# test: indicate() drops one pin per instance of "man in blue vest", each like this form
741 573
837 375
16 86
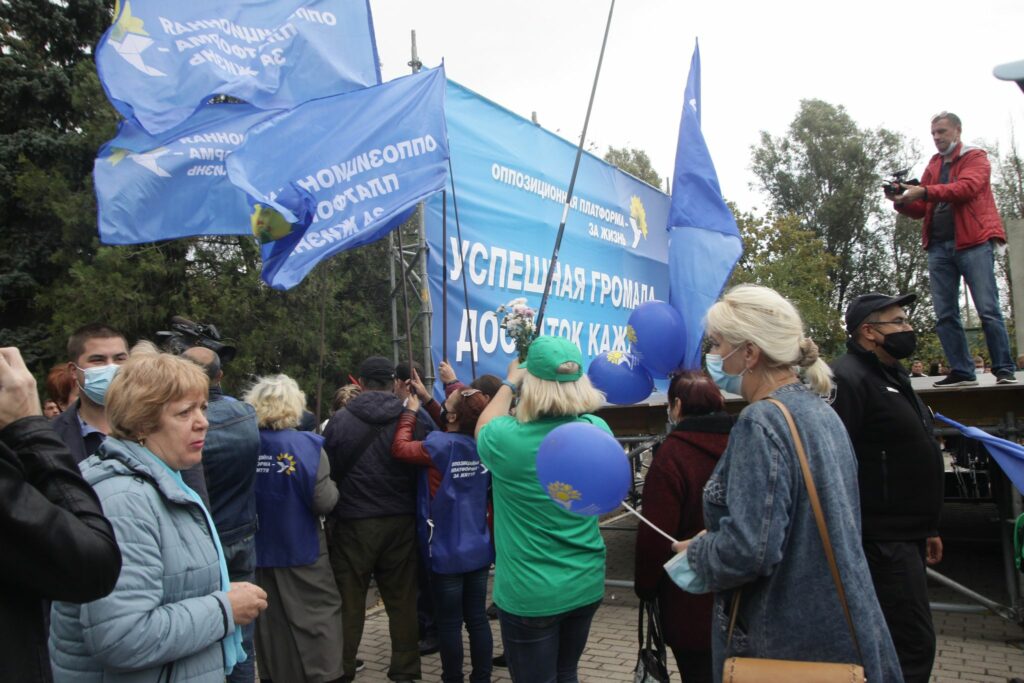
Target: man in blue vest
229 461
374 523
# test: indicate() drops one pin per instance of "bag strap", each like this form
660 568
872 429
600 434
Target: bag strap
819 518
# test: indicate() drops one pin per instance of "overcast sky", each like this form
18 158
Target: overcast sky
890 64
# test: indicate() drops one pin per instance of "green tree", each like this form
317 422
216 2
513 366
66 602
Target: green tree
635 162
781 254
826 172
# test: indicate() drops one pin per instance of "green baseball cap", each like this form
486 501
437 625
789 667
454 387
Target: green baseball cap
545 356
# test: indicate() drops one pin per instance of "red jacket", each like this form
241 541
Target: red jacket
969 191
673 499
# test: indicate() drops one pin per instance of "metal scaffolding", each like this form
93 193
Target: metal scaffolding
407 255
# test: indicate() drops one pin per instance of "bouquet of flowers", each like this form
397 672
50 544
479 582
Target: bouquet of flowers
518 324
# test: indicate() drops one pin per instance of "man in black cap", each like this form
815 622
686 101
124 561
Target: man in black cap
374 523
899 470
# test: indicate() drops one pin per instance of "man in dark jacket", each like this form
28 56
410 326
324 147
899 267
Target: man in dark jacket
230 454
900 470
961 233
57 545
94 353
374 524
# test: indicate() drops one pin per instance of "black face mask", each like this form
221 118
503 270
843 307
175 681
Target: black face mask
900 345
444 415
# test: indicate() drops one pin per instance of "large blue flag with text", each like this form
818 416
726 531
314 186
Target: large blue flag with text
151 188
510 182
344 169
704 242
160 60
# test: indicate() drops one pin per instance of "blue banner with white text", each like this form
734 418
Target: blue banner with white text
160 60
344 169
151 188
511 179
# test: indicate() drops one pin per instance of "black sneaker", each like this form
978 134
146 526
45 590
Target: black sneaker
500 661
360 665
1005 377
956 379
429 646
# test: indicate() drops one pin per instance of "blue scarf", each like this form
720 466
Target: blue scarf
231 644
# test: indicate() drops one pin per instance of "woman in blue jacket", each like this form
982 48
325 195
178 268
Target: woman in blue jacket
172 615
452 512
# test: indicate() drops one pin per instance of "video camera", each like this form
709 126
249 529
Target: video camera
185 334
894 184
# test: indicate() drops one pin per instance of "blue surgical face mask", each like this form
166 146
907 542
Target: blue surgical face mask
97 381
725 381
682 574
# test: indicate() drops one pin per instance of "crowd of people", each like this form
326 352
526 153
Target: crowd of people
156 529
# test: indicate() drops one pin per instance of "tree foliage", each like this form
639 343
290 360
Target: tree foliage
635 162
826 172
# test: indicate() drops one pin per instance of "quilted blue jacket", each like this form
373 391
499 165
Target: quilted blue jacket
166 616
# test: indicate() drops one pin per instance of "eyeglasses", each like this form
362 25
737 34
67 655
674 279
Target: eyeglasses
895 321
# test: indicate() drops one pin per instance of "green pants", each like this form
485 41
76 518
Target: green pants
384 547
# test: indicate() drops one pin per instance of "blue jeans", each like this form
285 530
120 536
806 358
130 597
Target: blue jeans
462 598
946 265
241 560
546 649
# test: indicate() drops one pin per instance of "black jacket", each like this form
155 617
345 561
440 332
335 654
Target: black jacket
900 464
55 543
370 482
70 431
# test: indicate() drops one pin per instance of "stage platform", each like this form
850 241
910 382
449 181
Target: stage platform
986 405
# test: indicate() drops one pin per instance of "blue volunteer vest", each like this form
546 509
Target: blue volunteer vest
287 530
457 537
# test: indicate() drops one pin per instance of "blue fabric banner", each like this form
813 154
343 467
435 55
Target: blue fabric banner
160 60
511 179
345 169
705 243
151 188
1007 454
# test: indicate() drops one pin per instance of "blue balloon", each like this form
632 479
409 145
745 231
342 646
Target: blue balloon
583 469
658 334
621 377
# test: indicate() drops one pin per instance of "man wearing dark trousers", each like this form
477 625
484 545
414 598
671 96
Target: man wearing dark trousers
56 543
374 525
900 470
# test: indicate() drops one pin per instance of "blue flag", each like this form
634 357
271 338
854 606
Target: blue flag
1008 455
344 170
704 242
151 188
160 60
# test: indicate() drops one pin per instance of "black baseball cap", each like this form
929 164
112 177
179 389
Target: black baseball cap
377 368
866 304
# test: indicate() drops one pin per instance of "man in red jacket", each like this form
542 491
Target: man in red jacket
961 234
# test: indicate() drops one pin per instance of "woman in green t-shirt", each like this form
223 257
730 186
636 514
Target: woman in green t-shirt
549 571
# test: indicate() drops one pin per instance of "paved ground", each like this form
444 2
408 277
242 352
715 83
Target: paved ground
971 647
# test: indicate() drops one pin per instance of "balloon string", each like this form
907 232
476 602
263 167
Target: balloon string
647 521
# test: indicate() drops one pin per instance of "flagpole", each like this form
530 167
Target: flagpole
444 275
462 268
405 299
572 180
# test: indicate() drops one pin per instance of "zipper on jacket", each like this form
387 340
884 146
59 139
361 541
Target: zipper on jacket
885 477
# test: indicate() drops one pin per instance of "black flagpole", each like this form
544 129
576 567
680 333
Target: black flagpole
444 275
462 268
572 181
